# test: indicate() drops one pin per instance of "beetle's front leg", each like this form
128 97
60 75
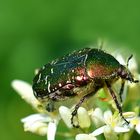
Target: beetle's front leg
74 113
50 106
53 97
121 90
116 101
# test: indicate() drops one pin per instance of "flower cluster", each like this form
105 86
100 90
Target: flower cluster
106 123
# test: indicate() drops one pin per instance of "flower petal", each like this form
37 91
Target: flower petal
85 137
65 114
98 131
97 117
121 129
38 128
108 117
36 117
51 131
25 91
83 118
129 115
138 127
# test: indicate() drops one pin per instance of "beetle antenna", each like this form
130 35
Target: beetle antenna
134 81
129 60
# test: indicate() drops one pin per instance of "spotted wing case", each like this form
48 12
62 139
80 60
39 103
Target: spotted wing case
75 69
60 72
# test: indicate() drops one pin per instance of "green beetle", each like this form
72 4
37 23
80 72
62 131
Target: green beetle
82 72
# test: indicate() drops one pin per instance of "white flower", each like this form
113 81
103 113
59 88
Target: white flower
40 123
36 123
110 124
113 125
43 124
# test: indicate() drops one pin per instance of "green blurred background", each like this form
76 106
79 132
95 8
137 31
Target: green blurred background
33 32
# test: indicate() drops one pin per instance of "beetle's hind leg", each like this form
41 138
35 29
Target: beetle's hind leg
116 101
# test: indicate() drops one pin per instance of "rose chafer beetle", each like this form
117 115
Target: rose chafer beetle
82 73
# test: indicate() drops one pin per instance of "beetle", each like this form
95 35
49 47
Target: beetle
81 72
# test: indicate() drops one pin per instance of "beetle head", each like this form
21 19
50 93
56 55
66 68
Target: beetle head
39 89
125 73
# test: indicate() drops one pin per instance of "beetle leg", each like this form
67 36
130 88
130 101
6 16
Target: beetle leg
52 98
57 96
50 106
74 113
121 90
116 101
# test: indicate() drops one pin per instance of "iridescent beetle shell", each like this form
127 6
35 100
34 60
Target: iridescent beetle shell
74 70
82 72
